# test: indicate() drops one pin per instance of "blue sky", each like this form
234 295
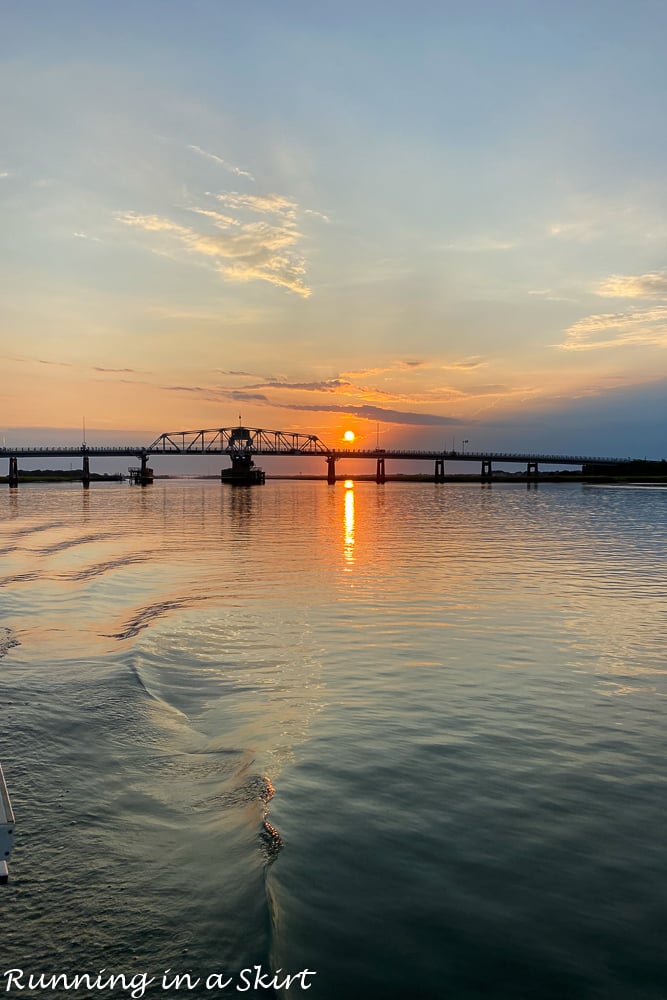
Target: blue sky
446 219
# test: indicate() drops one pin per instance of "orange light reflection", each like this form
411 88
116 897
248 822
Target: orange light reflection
348 523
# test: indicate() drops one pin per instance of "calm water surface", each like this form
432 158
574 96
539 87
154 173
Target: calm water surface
410 737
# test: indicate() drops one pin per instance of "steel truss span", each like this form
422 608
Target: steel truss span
231 440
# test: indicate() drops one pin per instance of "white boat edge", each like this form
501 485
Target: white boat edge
7 823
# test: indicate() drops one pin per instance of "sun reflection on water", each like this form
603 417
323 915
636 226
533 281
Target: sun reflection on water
348 523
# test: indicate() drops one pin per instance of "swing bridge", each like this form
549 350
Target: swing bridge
242 444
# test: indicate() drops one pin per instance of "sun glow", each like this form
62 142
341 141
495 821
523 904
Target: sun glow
349 436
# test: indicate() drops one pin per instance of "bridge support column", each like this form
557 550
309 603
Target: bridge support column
439 470
146 474
85 471
13 471
331 470
487 471
532 469
379 474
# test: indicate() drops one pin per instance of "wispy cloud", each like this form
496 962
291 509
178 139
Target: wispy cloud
154 224
240 250
585 218
396 366
118 371
652 285
358 395
38 361
223 163
358 389
414 365
241 395
222 221
578 230
216 394
639 328
643 328
378 413
132 381
272 204
318 215
549 295
183 388
358 400
320 385
3 174
85 236
466 365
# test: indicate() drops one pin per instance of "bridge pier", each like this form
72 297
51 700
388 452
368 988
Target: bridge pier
439 476
331 470
85 471
487 471
379 473
141 474
146 474
243 471
13 471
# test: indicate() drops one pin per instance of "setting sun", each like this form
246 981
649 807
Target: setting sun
349 436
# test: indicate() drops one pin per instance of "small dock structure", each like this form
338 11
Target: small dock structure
141 475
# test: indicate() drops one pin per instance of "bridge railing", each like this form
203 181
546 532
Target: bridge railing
500 456
70 449
240 440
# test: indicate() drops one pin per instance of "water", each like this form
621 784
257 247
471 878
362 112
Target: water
408 737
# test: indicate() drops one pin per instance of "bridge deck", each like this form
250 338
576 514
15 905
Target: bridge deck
135 451
240 440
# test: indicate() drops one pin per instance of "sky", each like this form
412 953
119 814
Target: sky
424 222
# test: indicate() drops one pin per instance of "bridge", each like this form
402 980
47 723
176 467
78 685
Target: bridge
241 444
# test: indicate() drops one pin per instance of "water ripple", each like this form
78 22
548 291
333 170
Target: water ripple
88 572
7 640
18 578
145 617
69 543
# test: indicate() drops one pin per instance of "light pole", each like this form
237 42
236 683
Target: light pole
463 445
